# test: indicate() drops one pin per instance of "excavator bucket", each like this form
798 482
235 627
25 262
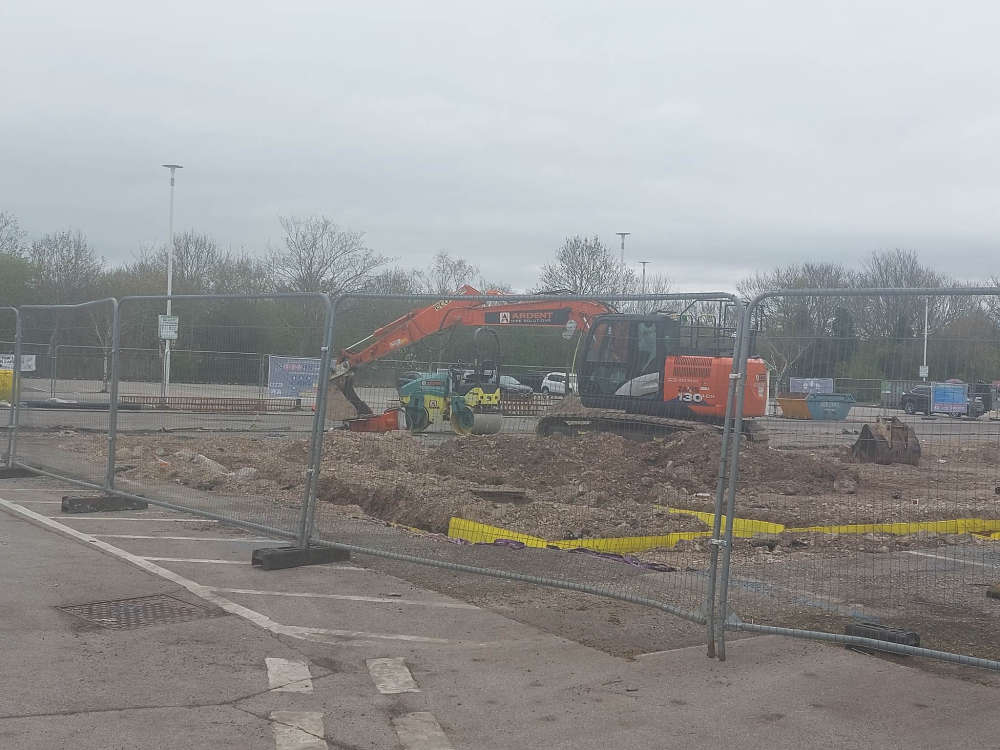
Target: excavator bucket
887 441
342 402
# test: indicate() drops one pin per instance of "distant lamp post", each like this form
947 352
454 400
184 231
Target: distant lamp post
623 235
643 263
165 385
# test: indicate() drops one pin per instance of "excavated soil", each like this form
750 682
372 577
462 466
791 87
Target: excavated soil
561 488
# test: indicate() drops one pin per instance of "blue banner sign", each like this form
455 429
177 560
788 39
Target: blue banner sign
292 377
949 398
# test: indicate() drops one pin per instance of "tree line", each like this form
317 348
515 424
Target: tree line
862 338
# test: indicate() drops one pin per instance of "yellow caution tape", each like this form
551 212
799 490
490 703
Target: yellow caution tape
953 526
473 531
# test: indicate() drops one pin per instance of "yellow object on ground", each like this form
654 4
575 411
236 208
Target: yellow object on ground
6 385
481 533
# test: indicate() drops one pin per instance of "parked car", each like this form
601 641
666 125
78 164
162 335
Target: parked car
509 386
559 383
917 400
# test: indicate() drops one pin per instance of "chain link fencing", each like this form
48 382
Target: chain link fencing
857 520
599 445
609 488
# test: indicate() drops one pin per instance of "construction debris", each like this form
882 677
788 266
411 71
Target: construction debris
889 441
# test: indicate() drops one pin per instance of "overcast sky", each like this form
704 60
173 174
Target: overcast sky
727 136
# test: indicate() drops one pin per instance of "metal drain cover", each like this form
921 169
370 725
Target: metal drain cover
126 614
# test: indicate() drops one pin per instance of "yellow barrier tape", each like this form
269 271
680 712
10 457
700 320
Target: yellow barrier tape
953 526
473 531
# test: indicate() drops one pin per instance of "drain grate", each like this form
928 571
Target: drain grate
126 614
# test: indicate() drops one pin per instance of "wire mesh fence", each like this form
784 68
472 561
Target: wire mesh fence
593 444
857 513
555 440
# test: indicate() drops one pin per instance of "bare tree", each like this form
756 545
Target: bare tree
319 256
585 265
12 237
65 267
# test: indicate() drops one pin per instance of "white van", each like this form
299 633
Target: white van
555 383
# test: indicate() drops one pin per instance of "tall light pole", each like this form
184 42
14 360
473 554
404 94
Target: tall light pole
927 306
623 235
165 385
643 264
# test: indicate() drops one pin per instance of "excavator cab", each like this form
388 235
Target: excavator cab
621 359
663 365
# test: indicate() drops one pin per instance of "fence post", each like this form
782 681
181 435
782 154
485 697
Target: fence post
109 478
720 486
13 414
743 347
307 518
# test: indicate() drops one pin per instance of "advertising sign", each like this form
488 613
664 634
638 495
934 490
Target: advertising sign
949 398
528 317
27 362
810 385
292 377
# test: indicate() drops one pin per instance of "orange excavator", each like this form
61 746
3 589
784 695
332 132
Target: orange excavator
637 373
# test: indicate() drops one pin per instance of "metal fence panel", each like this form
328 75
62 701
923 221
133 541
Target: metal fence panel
64 428
824 542
210 440
624 513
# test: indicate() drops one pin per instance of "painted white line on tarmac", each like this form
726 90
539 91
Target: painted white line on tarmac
420 731
350 597
39 502
163 519
243 539
197 560
953 559
298 730
320 635
287 676
391 676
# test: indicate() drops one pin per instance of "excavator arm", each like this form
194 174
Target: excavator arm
448 313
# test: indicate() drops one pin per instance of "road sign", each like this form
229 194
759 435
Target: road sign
27 362
924 371
810 385
168 327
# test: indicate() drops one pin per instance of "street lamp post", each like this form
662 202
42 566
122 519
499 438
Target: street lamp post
165 384
623 235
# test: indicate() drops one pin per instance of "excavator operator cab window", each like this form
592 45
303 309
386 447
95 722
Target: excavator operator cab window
624 357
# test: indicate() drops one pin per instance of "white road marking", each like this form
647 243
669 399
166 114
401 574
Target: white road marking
420 731
197 560
349 597
391 676
163 519
40 502
953 559
298 730
242 539
287 676
319 635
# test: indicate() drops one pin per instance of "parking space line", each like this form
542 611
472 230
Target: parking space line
197 560
207 593
954 559
241 539
147 519
298 730
350 597
420 731
287 676
391 676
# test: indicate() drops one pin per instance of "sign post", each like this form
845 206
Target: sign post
167 326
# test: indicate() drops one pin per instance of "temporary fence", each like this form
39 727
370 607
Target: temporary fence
661 476
843 529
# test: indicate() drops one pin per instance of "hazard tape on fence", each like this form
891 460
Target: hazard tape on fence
481 533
